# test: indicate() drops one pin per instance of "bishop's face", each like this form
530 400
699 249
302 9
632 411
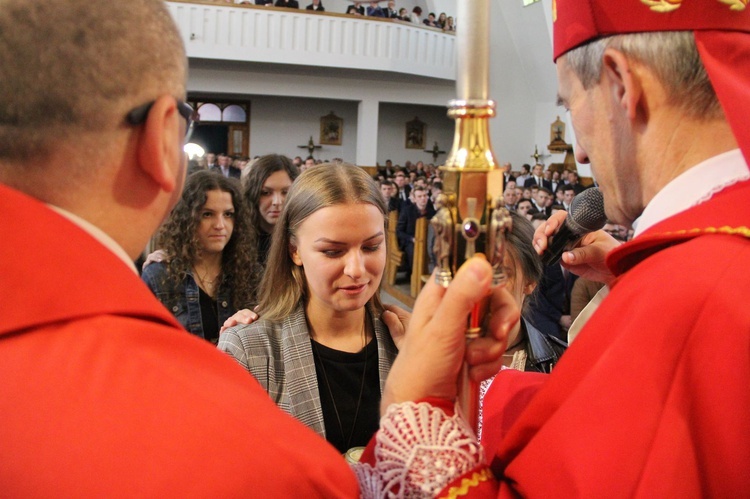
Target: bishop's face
603 139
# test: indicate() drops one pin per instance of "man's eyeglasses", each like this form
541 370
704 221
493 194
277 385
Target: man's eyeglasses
138 116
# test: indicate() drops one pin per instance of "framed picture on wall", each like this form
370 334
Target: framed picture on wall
416 132
331 129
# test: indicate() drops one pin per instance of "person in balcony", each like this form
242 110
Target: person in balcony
431 21
390 11
288 4
416 15
356 9
374 10
316 6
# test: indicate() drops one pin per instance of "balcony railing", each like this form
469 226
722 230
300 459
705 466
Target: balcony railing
299 37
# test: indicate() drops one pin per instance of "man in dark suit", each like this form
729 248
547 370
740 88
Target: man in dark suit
403 189
358 9
407 222
537 178
374 10
225 167
542 201
507 176
573 182
568 195
387 190
390 12
289 4
316 6
210 160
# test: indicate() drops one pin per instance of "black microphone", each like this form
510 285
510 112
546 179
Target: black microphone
586 215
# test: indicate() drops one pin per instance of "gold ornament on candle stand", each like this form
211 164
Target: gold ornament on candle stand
472 183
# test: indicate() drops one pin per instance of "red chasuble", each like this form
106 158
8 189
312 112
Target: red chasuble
652 400
105 395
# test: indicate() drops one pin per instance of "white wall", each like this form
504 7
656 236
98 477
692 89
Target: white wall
280 124
278 96
512 130
392 132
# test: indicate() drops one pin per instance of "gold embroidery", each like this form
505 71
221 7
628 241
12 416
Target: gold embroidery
737 5
664 5
554 10
467 483
732 231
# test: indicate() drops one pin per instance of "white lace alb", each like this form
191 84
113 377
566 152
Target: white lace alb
418 451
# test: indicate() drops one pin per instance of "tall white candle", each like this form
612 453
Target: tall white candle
473 32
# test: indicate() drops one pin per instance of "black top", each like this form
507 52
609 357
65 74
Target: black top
209 317
264 244
342 372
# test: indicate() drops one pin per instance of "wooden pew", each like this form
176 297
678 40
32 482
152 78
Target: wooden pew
395 256
421 261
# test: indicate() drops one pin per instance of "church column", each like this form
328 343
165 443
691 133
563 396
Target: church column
367 132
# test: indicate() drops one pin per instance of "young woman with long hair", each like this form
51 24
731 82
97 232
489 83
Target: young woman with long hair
266 186
208 270
321 348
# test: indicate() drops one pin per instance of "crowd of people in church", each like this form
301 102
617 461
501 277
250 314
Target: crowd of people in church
369 9
221 268
106 392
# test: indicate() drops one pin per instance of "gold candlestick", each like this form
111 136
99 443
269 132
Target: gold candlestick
473 47
472 183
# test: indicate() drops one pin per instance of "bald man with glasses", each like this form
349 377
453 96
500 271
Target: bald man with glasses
104 394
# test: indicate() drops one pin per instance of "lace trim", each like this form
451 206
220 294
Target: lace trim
419 450
721 187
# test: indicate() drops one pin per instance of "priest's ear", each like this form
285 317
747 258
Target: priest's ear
623 79
160 144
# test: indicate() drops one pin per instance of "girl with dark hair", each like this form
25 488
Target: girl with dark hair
208 270
266 186
320 348
528 348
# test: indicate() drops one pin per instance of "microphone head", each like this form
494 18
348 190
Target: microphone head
587 212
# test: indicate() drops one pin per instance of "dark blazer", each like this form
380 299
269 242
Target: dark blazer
233 172
393 204
578 188
389 13
360 9
375 12
551 301
547 210
319 9
531 181
407 223
403 197
263 2
289 4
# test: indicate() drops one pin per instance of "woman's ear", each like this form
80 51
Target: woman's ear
294 254
529 288
160 144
